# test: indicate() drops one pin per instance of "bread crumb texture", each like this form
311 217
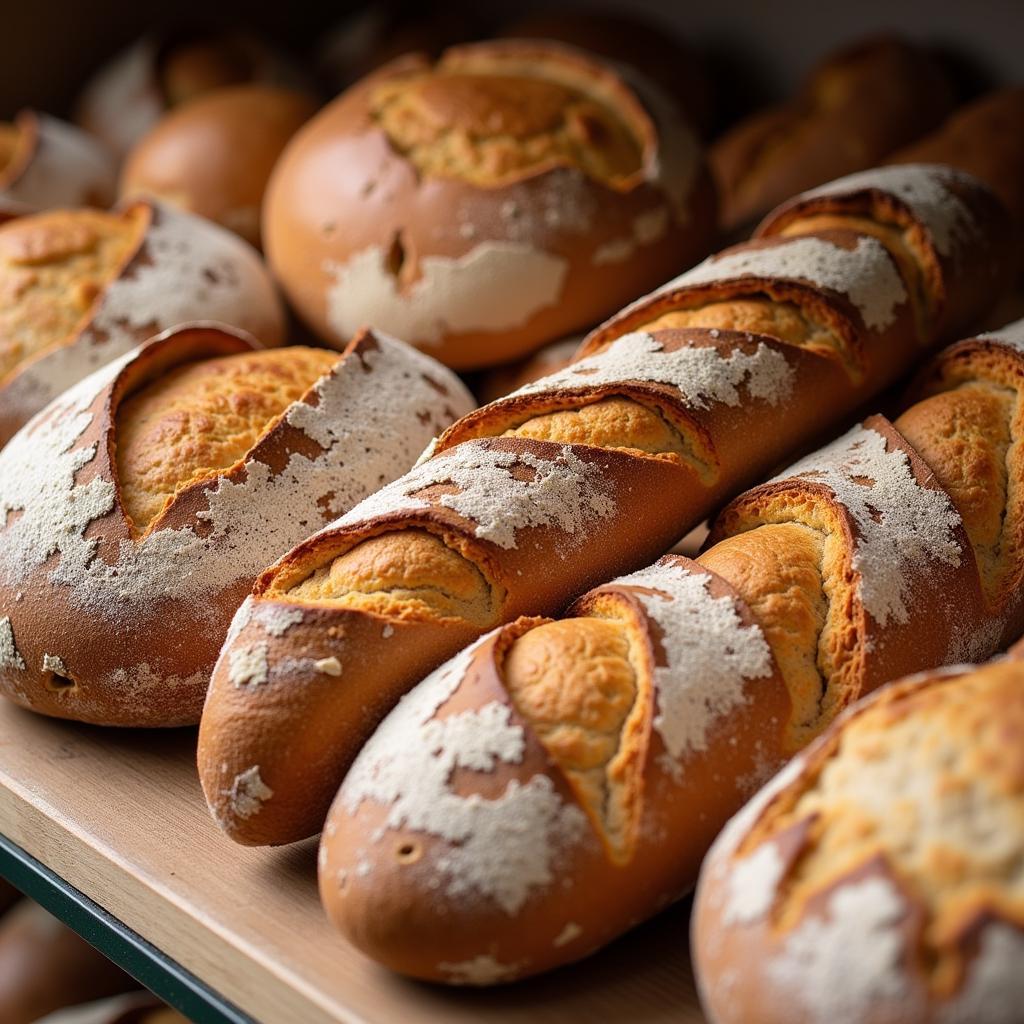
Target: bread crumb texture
490 128
53 267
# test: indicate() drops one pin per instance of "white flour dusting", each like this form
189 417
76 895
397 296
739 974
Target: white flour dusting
481 970
247 666
248 792
9 656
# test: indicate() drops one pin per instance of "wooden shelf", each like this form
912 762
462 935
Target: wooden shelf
119 816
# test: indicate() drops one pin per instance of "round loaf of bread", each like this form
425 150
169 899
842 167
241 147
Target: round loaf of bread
509 194
213 155
45 163
82 287
137 509
878 878
131 92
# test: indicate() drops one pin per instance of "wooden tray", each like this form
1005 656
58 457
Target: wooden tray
119 815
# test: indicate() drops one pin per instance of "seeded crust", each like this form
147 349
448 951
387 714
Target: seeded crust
202 418
53 267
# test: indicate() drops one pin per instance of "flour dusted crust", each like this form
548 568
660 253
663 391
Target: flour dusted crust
500 861
56 164
478 272
950 225
182 268
879 881
78 585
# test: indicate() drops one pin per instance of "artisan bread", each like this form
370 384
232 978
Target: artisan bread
984 138
213 155
878 878
131 92
83 287
508 194
45 163
493 384
136 510
524 504
44 966
558 782
856 107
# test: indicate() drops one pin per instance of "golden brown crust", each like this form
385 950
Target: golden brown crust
856 107
213 156
519 162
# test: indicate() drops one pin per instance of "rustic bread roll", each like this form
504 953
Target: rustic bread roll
856 107
137 509
44 966
653 50
46 163
560 781
133 90
877 878
214 154
81 288
528 501
984 138
503 380
507 195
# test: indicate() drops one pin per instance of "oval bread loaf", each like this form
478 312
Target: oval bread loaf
560 781
588 473
136 510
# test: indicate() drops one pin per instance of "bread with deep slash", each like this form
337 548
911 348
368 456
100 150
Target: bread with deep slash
138 508
561 780
576 478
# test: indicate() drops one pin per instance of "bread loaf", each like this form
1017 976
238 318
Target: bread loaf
503 380
560 781
81 288
213 155
855 108
506 195
566 483
136 510
986 139
46 163
132 91
878 877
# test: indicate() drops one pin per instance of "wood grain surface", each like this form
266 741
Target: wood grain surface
119 814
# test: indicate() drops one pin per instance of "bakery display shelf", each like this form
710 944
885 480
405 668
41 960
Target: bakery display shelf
108 830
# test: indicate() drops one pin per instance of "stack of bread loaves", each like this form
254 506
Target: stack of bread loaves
594 471
601 753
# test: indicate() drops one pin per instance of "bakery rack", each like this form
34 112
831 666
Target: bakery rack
108 830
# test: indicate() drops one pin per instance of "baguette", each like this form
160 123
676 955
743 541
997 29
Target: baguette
878 878
855 108
581 476
45 163
83 287
560 781
136 510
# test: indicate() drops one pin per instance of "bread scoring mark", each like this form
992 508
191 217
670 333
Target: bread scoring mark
9 656
711 654
702 373
328 666
752 885
563 491
247 666
480 970
247 793
866 274
496 286
246 523
928 190
841 965
902 527
503 849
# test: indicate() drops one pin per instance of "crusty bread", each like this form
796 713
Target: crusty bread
575 478
213 156
878 877
82 287
508 194
559 781
855 108
47 163
137 509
